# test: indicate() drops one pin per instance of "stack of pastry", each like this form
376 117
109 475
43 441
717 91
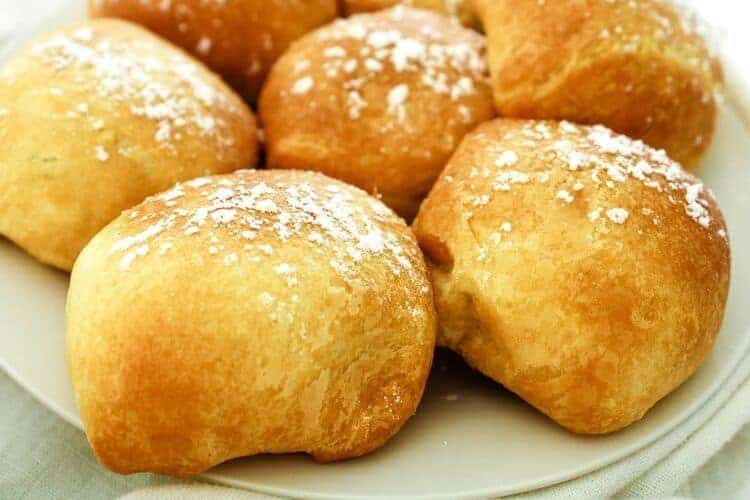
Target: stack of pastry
217 311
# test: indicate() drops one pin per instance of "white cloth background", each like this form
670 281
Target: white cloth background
708 456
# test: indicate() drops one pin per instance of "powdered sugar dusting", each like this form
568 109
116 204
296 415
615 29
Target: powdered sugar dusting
403 42
302 86
101 153
249 214
676 18
587 158
396 99
618 215
150 80
565 196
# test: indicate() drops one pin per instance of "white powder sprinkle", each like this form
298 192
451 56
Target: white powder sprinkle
127 260
335 51
303 85
267 299
172 194
199 182
565 196
607 158
101 153
506 178
594 215
618 215
350 66
170 90
465 113
568 127
454 66
204 46
356 104
267 206
284 269
694 207
396 99
249 216
507 159
301 65
373 65
222 215
266 249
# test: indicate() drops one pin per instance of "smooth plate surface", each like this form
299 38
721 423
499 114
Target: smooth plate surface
469 437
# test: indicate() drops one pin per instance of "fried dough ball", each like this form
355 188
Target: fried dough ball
257 312
97 116
640 67
378 100
583 270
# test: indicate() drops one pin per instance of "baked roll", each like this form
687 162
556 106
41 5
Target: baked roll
584 271
258 312
640 67
239 39
378 100
460 9
94 118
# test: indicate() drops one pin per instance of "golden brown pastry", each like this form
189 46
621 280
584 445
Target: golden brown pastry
461 9
239 39
639 67
583 270
258 312
94 118
378 100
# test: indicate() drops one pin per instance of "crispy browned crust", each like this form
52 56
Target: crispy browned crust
88 133
343 122
461 9
639 67
605 289
239 39
258 312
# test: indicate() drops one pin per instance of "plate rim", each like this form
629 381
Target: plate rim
737 95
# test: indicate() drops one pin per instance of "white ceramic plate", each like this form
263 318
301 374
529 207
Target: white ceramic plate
469 438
